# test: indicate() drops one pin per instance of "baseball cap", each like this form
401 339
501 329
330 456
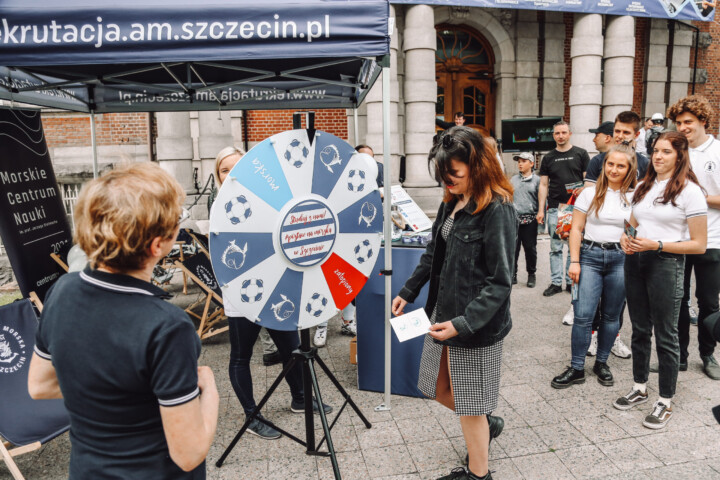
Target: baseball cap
657 117
524 156
605 128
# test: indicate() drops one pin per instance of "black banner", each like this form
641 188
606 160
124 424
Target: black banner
32 217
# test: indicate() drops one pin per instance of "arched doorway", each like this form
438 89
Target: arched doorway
463 69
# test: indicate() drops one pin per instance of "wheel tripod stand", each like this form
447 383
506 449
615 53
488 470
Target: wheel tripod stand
308 356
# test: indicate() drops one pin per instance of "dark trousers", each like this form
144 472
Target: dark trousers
527 237
707 288
654 289
243 334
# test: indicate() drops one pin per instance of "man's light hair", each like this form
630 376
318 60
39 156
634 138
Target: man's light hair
560 124
118 215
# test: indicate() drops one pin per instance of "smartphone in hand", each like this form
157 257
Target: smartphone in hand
574 291
630 231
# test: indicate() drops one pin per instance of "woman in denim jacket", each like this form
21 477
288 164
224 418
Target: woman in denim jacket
469 264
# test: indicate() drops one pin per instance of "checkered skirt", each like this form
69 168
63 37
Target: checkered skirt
474 372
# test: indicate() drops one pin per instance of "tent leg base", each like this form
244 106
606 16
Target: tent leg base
382 408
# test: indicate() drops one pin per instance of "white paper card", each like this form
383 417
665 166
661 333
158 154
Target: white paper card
411 324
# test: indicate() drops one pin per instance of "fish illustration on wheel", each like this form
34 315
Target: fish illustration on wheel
284 309
330 156
368 212
234 256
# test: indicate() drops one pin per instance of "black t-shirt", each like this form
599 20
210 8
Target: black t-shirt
563 169
119 352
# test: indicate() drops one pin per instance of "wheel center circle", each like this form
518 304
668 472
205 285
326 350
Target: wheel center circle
308 233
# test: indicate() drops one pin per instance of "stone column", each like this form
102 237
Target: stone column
619 54
527 67
374 120
420 96
175 148
681 74
656 75
554 65
215 133
586 52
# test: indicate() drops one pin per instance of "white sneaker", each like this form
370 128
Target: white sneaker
592 350
619 349
320 336
349 328
569 317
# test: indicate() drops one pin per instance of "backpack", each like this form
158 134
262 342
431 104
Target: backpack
650 138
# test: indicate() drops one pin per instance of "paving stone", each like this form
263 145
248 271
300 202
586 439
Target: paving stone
544 466
391 460
414 431
561 435
587 462
521 441
433 455
381 434
628 454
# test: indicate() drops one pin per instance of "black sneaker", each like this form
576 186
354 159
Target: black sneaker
568 288
552 290
635 397
270 359
568 378
514 279
258 428
603 373
299 407
531 280
457 473
682 366
659 417
495 425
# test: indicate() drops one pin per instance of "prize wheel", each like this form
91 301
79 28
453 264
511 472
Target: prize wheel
295 230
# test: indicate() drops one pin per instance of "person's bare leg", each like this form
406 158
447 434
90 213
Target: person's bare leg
477 439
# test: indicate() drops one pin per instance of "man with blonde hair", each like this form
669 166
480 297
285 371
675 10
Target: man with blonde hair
123 359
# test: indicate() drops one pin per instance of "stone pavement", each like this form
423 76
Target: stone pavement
549 434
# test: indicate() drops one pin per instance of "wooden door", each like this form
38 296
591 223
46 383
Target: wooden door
463 69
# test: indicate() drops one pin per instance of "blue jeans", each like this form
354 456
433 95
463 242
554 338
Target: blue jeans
654 287
601 280
556 248
243 334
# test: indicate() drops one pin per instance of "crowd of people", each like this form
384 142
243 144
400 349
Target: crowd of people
640 226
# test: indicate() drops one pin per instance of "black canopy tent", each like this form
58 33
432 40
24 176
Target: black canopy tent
180 55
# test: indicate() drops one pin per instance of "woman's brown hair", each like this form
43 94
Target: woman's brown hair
119 214
628 183
680 176
487 180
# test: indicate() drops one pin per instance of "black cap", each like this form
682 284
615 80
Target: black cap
605 128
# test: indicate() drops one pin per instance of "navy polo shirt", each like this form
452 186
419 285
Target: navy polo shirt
120 352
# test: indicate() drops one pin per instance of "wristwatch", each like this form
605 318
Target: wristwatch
660 246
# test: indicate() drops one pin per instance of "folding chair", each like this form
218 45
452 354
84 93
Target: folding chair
202 241
25 423
199 269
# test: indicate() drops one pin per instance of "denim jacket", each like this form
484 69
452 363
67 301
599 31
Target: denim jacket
470 274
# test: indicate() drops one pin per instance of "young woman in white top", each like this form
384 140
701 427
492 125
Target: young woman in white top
597 262
670 214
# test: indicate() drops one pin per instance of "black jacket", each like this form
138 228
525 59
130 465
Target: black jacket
471 274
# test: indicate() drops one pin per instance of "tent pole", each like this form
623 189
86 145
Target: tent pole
356 129
94 145
387 203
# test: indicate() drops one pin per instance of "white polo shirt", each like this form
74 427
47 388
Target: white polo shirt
609 223
705 161
667 222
